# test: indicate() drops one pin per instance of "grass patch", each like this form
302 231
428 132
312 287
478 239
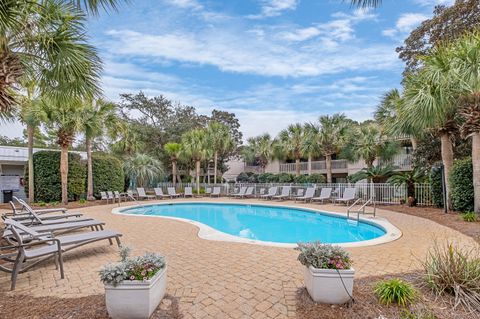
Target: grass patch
470 217
455 271
395 291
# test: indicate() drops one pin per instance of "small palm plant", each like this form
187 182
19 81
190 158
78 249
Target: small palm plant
395 291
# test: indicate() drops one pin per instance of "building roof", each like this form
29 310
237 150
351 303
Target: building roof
19 155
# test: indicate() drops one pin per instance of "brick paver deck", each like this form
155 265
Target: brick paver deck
212 279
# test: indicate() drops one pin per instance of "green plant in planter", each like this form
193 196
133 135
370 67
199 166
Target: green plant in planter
323 256
82 201
395 291
470 217
132 268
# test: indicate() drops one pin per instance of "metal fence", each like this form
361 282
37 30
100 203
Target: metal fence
380 193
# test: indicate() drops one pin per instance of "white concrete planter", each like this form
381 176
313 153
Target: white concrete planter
135 299
325 285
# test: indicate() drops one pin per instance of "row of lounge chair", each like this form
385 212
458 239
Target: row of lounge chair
141 194
32 236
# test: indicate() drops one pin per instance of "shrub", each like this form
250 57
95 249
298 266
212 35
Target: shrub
47 180
323 256
272 178
455 271
395 291
253 178
418 313
135 268
470 217
108 174
316 178
436 184
285 178
263 178
301 179
461 185
242 177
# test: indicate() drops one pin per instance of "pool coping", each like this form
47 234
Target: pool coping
206 232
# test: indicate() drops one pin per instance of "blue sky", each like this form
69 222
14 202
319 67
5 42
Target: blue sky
272 62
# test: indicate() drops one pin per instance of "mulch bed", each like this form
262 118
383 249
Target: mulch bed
452 219
366 306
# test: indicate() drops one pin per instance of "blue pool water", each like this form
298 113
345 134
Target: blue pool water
267 223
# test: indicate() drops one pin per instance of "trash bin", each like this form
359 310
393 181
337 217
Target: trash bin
7 196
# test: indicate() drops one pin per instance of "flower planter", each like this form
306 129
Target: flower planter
135 299
325 285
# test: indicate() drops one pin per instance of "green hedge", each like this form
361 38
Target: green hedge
436 184
461 185
280 178
47 181
108 174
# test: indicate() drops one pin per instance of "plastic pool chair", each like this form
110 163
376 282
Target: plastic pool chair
142 194
272 191
188 192
43 246
172 192
241 192
111 196
159 192
325 194
104 196
348 196
24 213
38 211
216 191
249 192
284 194
35 219
308 195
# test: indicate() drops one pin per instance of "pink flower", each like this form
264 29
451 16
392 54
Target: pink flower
132 277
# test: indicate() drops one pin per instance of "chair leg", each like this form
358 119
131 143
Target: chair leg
16 269
60 261
118 241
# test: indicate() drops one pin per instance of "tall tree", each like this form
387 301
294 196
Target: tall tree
259 149
331 137
97 116
193 144
220 141
291 140
310 145
143 169
173 150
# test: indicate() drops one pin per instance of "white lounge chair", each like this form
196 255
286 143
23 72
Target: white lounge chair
117 196
348 196
241 192
111 196
188 191
172 192
272 191
131 195
216 191
38 211
104 196
34 219
284 194
141 194
308 195
248 192
325 194
260 192
24 213
159 192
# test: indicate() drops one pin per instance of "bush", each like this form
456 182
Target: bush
253 178
470 217
108 174
455 271
316 178
395 291
272 178
47 178
263 178
301 179
242 177
323 256
285 178
461 185
436 184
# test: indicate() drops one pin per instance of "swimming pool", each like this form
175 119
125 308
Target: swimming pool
265 223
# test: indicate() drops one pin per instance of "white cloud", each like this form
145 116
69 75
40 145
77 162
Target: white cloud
434 2
301 34
405 23
186 4
273 8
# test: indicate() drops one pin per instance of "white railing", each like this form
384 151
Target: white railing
317 166
379 193
253 169
401 161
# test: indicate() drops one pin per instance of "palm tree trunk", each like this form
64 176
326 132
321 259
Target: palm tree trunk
197 173
414 142
297 167
447 160
31 184
174 173
89 169
64 172
328 166
215 163
476 170
309 165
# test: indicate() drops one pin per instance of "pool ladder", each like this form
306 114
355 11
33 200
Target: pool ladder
361 209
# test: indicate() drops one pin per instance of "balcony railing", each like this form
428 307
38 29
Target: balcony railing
317 167
253 169
400 161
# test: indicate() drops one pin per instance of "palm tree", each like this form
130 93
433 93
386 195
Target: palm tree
261 149
125 139
143 169
291 141
97 116
368 143
331 138
66 120
310 144
221 142
193 145
375 174
173 150
366 3
46 41
409 178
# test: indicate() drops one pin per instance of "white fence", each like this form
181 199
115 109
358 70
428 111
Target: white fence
381 193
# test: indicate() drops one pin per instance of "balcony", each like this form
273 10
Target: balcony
338 166
402 162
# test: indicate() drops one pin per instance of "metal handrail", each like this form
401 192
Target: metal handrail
362 208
